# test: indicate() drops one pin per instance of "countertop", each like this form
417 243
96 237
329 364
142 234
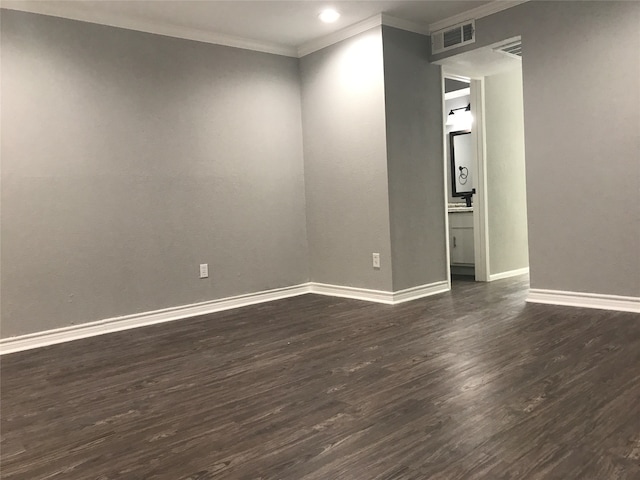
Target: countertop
458 207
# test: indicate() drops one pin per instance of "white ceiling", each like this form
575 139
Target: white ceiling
281 26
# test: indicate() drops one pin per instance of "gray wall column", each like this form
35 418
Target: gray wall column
346 164
413 101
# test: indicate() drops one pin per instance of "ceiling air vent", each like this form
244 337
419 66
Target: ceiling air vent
512 49
453 37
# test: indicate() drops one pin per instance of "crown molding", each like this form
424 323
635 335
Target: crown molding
403 24
475 13
360 27
74 11
340 35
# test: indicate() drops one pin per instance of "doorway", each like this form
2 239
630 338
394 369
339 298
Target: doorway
485 175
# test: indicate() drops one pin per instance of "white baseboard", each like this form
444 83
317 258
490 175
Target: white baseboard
420 291
380 296
116 324
586 300
510 273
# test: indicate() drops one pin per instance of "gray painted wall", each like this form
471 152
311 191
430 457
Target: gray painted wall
582 140
345 163
505 168
413 99
451 85
129 158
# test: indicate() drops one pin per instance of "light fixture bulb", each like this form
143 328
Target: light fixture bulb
329 15
451 118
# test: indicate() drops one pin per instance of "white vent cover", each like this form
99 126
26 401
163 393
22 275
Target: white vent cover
512 49
453 37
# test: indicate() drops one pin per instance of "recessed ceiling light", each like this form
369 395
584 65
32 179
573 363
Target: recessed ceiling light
329 15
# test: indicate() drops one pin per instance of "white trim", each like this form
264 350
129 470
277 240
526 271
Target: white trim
445 161
463 92
380 296
420 291
454 76
360 27
508 274
77 11
585 300
100 327
340 35
480 215
82 12
127 322
475 13
406 25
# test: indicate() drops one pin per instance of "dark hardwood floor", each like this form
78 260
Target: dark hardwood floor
471 384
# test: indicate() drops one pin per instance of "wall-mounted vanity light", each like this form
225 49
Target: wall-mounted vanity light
462 119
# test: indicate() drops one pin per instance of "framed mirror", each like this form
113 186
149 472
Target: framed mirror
461 150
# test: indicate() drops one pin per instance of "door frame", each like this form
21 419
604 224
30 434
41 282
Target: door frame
480 217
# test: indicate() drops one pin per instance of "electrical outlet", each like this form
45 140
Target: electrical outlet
376 260
204 270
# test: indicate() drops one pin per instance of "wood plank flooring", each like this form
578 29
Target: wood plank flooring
472 384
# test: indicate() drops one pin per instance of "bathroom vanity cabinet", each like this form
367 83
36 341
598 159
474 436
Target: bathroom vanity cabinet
461 246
